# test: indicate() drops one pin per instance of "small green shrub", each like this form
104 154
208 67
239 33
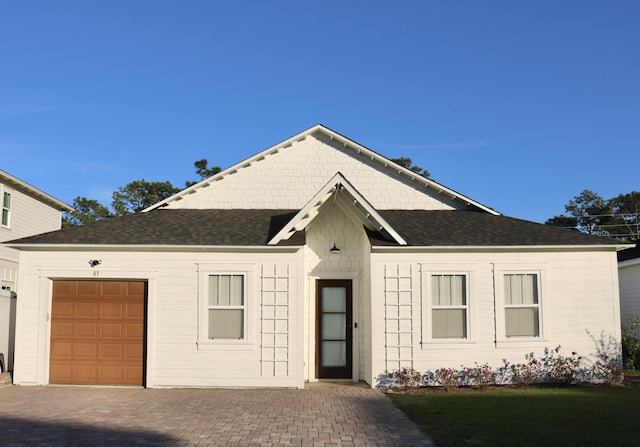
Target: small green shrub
630 342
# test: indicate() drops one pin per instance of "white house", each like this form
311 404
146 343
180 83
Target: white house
315 259
26 211
629 272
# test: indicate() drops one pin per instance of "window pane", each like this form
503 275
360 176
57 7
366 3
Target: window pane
334 326
334 299
5 217
334 353
449 290
6 200
449 323
522 322
521 289
236 297
213 290
226 323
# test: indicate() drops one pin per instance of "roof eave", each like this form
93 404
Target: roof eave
155 247
15 182
519 248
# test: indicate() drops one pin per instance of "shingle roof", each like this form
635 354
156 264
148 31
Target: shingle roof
472 228
229 227
177 227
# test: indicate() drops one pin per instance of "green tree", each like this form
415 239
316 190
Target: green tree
625 209
589 213
85 211
203 171
139 195
406 162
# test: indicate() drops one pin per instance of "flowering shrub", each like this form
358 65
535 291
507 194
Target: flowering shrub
560 368
523 374
448 378
407 377
480 375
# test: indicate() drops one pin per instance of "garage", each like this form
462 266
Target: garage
97 332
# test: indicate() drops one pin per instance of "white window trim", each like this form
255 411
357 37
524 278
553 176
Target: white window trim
427 317
3 190
248 272
500 299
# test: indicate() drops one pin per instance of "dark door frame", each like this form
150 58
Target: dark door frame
339 372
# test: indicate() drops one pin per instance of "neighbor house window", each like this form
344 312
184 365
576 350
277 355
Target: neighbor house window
6 209
226 306
522 305
449 306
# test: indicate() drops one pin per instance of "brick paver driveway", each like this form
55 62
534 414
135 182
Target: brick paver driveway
319 416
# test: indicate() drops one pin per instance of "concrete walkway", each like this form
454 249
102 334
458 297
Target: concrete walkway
319 416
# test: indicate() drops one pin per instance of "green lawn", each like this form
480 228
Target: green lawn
571 416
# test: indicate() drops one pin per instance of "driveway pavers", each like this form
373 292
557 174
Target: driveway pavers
318 416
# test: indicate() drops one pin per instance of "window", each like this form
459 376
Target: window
522 305
226 306
449 306
6 209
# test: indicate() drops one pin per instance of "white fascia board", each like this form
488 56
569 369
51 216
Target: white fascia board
160 248
15 182
489 248
336 186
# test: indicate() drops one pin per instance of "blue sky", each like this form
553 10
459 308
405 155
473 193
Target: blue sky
519 105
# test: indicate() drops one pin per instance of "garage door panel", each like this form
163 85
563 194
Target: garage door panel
111 351
110 288
86 351
134 311
61 329
134 331
62 308
97 333
111 330
62 350
86 309
112 310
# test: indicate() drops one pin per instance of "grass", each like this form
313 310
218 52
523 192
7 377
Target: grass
571 416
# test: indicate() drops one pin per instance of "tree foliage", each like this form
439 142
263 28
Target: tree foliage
203 170
139 195
85 211
406 162
589 213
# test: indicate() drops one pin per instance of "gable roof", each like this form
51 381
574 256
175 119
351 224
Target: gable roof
350 201
32 191
256 228
356 149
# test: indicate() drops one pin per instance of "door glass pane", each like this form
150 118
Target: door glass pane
334 353
334 326
334 299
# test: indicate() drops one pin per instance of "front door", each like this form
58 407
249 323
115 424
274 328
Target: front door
333 329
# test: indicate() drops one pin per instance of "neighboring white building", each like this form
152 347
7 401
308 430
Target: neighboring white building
629 272
314 259
26 211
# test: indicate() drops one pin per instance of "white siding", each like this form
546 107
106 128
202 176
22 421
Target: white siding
289 178
175 358
629 289
579 300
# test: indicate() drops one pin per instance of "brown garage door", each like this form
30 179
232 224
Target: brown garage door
97 332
